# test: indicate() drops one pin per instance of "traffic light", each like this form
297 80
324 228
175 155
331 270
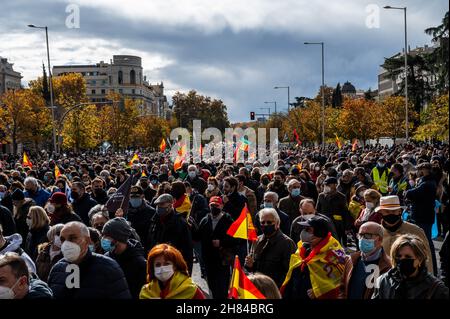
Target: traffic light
252 116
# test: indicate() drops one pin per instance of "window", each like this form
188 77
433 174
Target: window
133 91
120 91
93 91
120 77
132 77
103 91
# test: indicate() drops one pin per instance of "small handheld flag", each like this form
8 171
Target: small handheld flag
338 142
57 171
135 157
240 286
162 146
243 226
26 161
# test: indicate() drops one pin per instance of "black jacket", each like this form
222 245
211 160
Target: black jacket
198 183
82 206
272 256
234 205
172 229
101 197
285 222
34 239
134 266
38 290
21 219
199 208
100 278
335 203
7 221
422 200
423 286
140 219
444 255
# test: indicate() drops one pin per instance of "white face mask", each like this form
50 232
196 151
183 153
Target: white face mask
192 174
7 293
57 241
29 223
326 189
70 251
370 205
164 273
210 187
308 216
51 208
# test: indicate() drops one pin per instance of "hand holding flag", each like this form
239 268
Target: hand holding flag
240 286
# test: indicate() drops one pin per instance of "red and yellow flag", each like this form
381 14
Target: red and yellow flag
243 226
297 138
57 172
355 145
162 146
135 157
338 142
240 286
26 161
180 157
143 174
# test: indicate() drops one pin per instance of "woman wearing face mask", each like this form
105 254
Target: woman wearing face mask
213 188
38 223
49 253
368 213
409 277
168 277
59 210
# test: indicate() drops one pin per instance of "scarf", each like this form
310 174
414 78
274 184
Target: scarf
182 205
325 263
180 286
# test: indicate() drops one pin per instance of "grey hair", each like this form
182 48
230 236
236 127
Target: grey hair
378 227
98 209
292 181
272 194
32 180
83 228
269 211
53 231
192 166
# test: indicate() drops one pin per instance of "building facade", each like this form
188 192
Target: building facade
9 79
123 75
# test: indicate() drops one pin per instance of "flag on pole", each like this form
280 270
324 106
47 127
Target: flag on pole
180 157
135 157
162 146
355 145
240 286
338 141
57 171
297 138
243 226
120 198
26 161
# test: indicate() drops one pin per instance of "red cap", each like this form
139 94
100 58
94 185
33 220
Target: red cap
216 200
58 198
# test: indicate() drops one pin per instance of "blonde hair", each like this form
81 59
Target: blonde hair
265 285
416 244
373 195
39 217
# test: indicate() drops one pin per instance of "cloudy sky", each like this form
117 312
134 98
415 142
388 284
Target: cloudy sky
229 49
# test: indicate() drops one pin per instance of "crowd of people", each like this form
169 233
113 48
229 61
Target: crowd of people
331 224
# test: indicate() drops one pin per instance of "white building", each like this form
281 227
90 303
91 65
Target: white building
9 79
124 75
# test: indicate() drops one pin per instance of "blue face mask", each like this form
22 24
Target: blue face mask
2 194
107 245
91 248
268 205
135 202
366 245
295 192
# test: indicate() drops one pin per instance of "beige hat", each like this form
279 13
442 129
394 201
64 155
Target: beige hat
390 203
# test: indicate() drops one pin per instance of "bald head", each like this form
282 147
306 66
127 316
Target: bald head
77 233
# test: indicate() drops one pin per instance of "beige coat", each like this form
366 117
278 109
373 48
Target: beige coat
407 229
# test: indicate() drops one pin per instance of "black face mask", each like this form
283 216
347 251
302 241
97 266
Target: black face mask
268 229
75 196
265 181
277 183
406 266
391 218
215 211
144 185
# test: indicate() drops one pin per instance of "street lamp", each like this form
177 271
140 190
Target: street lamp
322 91
273 102
406 69
51 86
285 87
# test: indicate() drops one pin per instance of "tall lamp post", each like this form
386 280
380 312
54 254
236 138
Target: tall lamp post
51 86
322 91
285 87
406 70
273 102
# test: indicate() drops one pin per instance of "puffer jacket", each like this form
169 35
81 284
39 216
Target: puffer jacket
134 265
139 219
100 278
13 243
38 290
423 286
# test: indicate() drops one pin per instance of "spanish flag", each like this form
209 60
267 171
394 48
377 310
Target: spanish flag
297 138
135 157
179 160
57 172
338 142
26 161
162 146
243 226
355 145
143 174
240 286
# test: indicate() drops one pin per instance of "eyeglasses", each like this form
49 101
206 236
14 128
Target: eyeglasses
366 236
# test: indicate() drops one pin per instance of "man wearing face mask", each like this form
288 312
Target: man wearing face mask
218 248
101 276
149 192
16 282
316 268
140 212
82 201
290 203
98 191
233 201
248 193
271 201
394 226
278 186
272 250
166 226
128 253
399 182
357 267
381 176
196 181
